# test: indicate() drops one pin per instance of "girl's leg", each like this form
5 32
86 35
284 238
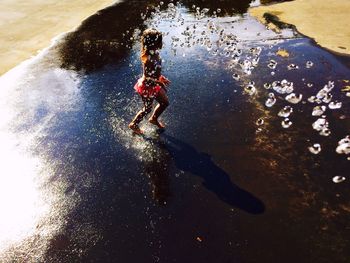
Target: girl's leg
163 103
147 108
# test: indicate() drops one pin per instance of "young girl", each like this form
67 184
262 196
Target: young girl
152 85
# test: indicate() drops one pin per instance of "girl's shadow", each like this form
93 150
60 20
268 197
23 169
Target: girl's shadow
216 180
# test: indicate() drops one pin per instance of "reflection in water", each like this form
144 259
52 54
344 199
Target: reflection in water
157 169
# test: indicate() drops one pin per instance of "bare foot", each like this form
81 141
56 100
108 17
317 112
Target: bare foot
157 123
135 128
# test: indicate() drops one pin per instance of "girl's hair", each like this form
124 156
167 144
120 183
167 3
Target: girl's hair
151 39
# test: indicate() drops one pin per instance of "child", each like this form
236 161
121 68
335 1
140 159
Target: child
152 85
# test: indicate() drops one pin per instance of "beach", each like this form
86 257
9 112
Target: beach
28 27
323 21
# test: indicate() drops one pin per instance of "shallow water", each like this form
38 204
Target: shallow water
214 187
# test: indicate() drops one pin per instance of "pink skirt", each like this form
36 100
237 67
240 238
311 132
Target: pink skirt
145 90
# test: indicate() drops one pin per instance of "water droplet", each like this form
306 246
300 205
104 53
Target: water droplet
293 98
315 148
259 122
325 132
344 146
286 123
338 179
334 105
271 100
283 87
272 64
309 64
250 89
285 112
236 76
292 67
267 86
318 110
320 124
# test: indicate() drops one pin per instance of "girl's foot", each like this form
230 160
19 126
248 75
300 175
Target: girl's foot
157 123
135 128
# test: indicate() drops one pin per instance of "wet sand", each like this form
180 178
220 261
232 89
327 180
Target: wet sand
26 28
323 21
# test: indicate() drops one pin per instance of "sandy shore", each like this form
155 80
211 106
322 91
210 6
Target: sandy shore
325 21
26 27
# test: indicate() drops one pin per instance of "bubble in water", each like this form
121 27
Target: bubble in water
318 110
310 85
218 10
338 179
285 112
171 5
334 105
315 148
271 100
293 98
309 64
293 67
286 123
344 146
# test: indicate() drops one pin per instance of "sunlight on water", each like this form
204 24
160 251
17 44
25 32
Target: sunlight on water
30 208
21 205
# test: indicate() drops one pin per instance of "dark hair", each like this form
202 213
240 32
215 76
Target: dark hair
151 39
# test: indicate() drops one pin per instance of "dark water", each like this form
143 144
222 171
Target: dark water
212 187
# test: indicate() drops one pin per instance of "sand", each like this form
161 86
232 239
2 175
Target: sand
325 21
27 27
